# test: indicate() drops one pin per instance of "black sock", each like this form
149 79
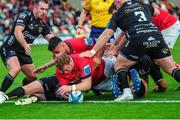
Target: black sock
142 91
176 74
7 82
123 78
155 72
25 82
16 93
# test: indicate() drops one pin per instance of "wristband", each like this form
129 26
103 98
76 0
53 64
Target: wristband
93 52
73 87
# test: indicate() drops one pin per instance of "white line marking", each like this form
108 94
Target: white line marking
140 101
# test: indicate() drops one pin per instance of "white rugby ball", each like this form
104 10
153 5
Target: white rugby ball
75 97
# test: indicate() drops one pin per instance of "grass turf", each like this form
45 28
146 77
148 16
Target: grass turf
93 110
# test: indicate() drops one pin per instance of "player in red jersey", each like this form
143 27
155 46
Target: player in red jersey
71 74
70 46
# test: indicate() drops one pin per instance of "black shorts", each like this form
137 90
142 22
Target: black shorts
7 52
143 67
155 47
50 86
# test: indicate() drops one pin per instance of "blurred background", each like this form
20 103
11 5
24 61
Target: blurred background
63 15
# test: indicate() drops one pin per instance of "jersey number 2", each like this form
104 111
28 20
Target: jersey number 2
141 16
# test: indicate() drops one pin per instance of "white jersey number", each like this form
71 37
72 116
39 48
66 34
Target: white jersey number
141 15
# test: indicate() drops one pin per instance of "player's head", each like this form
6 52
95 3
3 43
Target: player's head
40 8
56 46
64 62
118 3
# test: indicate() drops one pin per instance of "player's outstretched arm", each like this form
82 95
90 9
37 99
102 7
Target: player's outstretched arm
42 68
101 42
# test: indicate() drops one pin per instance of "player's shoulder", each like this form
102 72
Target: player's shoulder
26 13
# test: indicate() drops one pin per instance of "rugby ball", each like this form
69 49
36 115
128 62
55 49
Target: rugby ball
75 97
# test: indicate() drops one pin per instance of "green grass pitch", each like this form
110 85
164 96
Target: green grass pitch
156 110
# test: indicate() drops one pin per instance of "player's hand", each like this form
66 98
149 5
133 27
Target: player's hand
79 31
96 62
86 54
40 69
27 49
64 91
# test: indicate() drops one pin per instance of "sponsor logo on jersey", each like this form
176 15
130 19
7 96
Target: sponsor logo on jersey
19 21
87 69
22 15
165 50
28 35
31 26
151 38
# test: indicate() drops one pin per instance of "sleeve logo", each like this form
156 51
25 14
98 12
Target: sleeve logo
87 69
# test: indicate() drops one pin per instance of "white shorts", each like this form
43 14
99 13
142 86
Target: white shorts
106 85
171 34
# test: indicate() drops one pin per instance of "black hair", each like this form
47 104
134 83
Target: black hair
37 1
53 42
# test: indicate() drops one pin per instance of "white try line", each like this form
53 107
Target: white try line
109 101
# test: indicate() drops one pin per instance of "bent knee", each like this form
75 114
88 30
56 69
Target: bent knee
13 72
31 78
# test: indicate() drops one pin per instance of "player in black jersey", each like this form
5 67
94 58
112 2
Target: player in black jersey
16 50
143 38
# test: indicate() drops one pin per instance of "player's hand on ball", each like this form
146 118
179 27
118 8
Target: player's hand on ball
64 91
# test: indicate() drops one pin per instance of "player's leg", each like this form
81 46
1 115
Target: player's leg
158 78
121 67
13 68
28 69
42 86
168 64
30 89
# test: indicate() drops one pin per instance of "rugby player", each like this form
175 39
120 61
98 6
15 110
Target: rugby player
69 46
16 50
71 74
143 38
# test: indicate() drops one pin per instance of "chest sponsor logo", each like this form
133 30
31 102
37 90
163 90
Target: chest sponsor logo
28 35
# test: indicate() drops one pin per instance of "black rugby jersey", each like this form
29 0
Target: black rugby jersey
32 29
135 19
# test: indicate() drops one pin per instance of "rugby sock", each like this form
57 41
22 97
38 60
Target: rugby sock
16 93
176 74
123 78
142 91
7 82
155 72
25 82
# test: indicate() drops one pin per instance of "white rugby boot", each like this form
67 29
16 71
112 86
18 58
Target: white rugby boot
126 96
3 98
26 101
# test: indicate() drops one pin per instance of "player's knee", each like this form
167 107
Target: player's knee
15 71
31 78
